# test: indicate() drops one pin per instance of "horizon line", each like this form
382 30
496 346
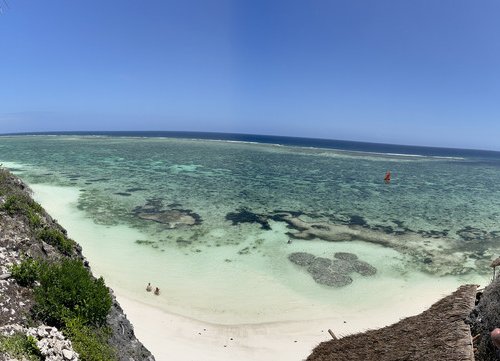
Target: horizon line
186 132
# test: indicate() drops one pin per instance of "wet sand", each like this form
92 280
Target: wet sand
170 336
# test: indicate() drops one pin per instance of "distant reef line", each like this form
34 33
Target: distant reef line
282 140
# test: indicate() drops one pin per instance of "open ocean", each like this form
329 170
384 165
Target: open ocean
248 229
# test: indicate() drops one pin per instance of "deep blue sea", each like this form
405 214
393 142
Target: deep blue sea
294 141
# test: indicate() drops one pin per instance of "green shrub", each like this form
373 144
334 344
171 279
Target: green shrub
27 272
68 297
34 219
18 203
14 204
57 239
67 290
20 346
90 343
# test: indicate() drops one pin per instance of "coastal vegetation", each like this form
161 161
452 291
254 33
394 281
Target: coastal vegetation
55 238
68 291
90 342
26 272
19 203
69 297
22 205
20 346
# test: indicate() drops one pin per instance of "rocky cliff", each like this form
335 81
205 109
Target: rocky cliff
28 233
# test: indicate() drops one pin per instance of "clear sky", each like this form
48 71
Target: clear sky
423 72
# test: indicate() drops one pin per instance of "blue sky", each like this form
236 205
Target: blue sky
424 72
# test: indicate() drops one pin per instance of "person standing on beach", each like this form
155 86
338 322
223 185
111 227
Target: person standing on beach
157 291
148 287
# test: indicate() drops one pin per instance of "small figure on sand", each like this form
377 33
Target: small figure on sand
289 241
149 288
387 178
157 291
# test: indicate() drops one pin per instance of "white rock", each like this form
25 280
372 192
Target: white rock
68 355
53 345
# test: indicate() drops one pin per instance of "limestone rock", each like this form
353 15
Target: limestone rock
52 344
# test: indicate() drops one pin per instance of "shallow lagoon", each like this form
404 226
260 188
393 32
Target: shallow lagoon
433 228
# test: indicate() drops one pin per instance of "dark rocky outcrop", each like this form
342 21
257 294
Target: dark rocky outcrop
123 338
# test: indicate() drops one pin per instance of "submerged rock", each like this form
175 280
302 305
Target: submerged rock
302 258
124 194
358 221
319 265
333 273
444 254
345 256
324 271
343 266
330 278
364 268
472 234
172 217
136 189
245 216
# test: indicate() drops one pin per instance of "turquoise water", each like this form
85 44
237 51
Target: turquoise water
173 203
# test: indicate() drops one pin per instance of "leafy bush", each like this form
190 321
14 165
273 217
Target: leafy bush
18 203
27 272
14 204
90 343
68 297
56 239
34 219
20 346
67 290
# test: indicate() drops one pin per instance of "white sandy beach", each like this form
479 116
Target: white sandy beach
170 336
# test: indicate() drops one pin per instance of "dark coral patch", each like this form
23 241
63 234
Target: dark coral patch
124 194
245 216
357 221
154 211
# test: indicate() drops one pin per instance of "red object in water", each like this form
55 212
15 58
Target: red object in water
387 177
